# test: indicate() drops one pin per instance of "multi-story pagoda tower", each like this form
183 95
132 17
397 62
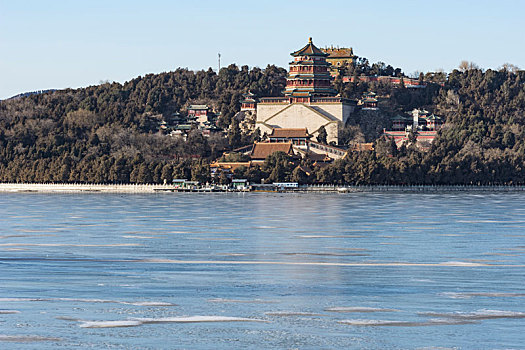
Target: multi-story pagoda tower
309 102
309 75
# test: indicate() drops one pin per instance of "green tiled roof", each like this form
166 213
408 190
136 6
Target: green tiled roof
183 127
198 107
400 118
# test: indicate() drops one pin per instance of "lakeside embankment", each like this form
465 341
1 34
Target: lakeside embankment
111 188
150 188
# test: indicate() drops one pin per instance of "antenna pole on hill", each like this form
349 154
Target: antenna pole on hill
219 63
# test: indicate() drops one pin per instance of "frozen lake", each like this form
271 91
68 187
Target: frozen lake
253 271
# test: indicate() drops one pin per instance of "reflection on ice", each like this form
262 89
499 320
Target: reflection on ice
393 323
214 239
68 318
328 236
148 303
425 280
22 299
244 301
477 315
195 319
455 295
136 303
232 254
26 338
326 254
103 301
312 263
351 249
291 313
68 245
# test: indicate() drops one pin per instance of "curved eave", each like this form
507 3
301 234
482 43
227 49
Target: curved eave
310 76
339 57
301 53
309 89
308 63
309 50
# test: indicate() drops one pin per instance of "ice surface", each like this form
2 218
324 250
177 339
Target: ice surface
359 309
482 314
291 313
26 338
395 323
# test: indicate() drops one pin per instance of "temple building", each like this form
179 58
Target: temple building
201 113
248 102
420 122
203 117
298 137
338 58
407 82
309 75
309 99
261 150
368 101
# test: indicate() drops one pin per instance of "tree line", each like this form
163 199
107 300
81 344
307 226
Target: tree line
109 133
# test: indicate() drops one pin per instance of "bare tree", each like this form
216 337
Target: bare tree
466 65
509 67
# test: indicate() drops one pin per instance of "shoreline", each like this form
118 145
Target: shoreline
75 188
148 188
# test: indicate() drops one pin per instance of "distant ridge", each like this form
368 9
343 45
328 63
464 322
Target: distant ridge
25 94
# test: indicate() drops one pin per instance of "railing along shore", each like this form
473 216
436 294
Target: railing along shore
155 188
77 187
416 188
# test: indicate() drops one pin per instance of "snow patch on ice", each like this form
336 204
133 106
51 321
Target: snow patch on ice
359 309
110 324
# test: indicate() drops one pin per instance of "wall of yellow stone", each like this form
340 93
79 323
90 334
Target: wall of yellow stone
332 116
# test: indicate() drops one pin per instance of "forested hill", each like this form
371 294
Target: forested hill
482 142
108 133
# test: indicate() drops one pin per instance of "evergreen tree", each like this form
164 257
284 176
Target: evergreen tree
322 135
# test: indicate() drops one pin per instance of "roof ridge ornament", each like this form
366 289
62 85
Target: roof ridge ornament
310 40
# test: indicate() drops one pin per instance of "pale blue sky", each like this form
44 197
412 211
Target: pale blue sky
60 44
